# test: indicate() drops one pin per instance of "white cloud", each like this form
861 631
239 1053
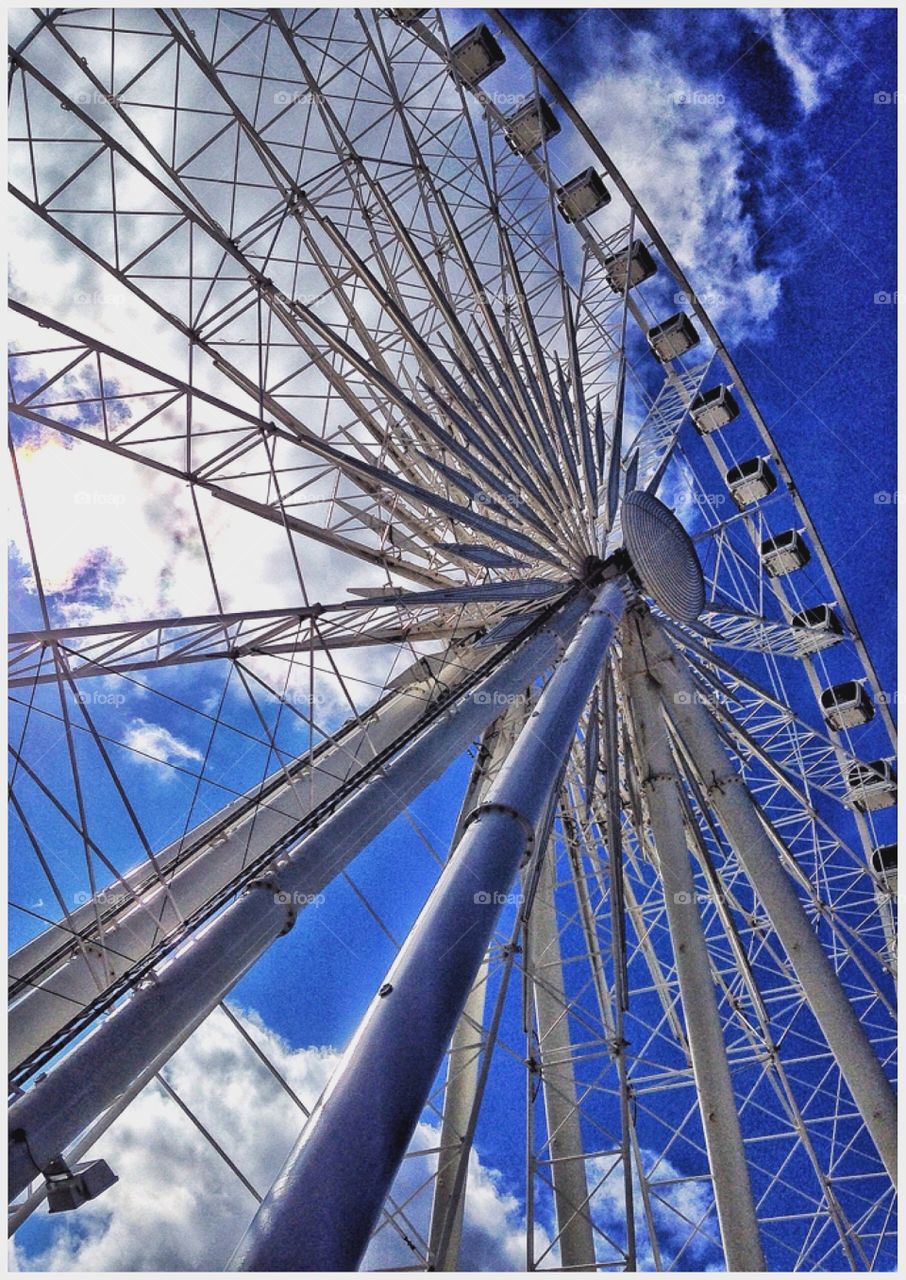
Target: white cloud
813 50
791 56
178 1207
158 746
684 155
677 1206
117 541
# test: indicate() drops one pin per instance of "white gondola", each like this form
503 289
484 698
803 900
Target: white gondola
636 262
713 409
750 481
846 705
673 338
784 553
817 627
872 786
582 196
405 16
884 863
530 126
476 55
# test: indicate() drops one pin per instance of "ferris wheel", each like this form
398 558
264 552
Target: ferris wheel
446 456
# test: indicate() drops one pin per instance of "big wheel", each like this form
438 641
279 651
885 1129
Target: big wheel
362 311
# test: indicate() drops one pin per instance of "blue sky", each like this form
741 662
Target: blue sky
794 116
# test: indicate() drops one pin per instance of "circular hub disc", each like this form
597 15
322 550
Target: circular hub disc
663 555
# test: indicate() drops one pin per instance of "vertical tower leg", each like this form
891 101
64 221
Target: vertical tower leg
739 817
727 794
320 1212
565 1147
720 1120
462 1062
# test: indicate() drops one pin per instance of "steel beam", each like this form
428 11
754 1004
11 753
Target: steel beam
50 978
575 1233
74 1092
739 817
694 301
320 1212
704 1032
461 1089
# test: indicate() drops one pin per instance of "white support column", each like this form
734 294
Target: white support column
729 797
558 1079
183 991
465 1047
720 1120
66 977
320 1212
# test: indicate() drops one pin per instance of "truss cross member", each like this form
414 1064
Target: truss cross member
720 1119
740 819
320 1212
77 1089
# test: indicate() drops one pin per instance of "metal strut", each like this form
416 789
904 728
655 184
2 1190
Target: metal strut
320 1212
739 817
461 1091
189 985
707 1049
575 1233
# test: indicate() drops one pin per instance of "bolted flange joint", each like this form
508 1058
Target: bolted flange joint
510 811
281 896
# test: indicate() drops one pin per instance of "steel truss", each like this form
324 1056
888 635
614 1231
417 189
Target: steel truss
320 287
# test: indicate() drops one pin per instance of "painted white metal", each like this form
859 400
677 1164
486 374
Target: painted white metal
565 1147
225 843
707 1048
444 1236
76 1090
425 283
730 799
322 1208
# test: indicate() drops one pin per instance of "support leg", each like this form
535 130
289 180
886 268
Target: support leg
465 1049
727 794
321 1210
720 1120
565 1147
